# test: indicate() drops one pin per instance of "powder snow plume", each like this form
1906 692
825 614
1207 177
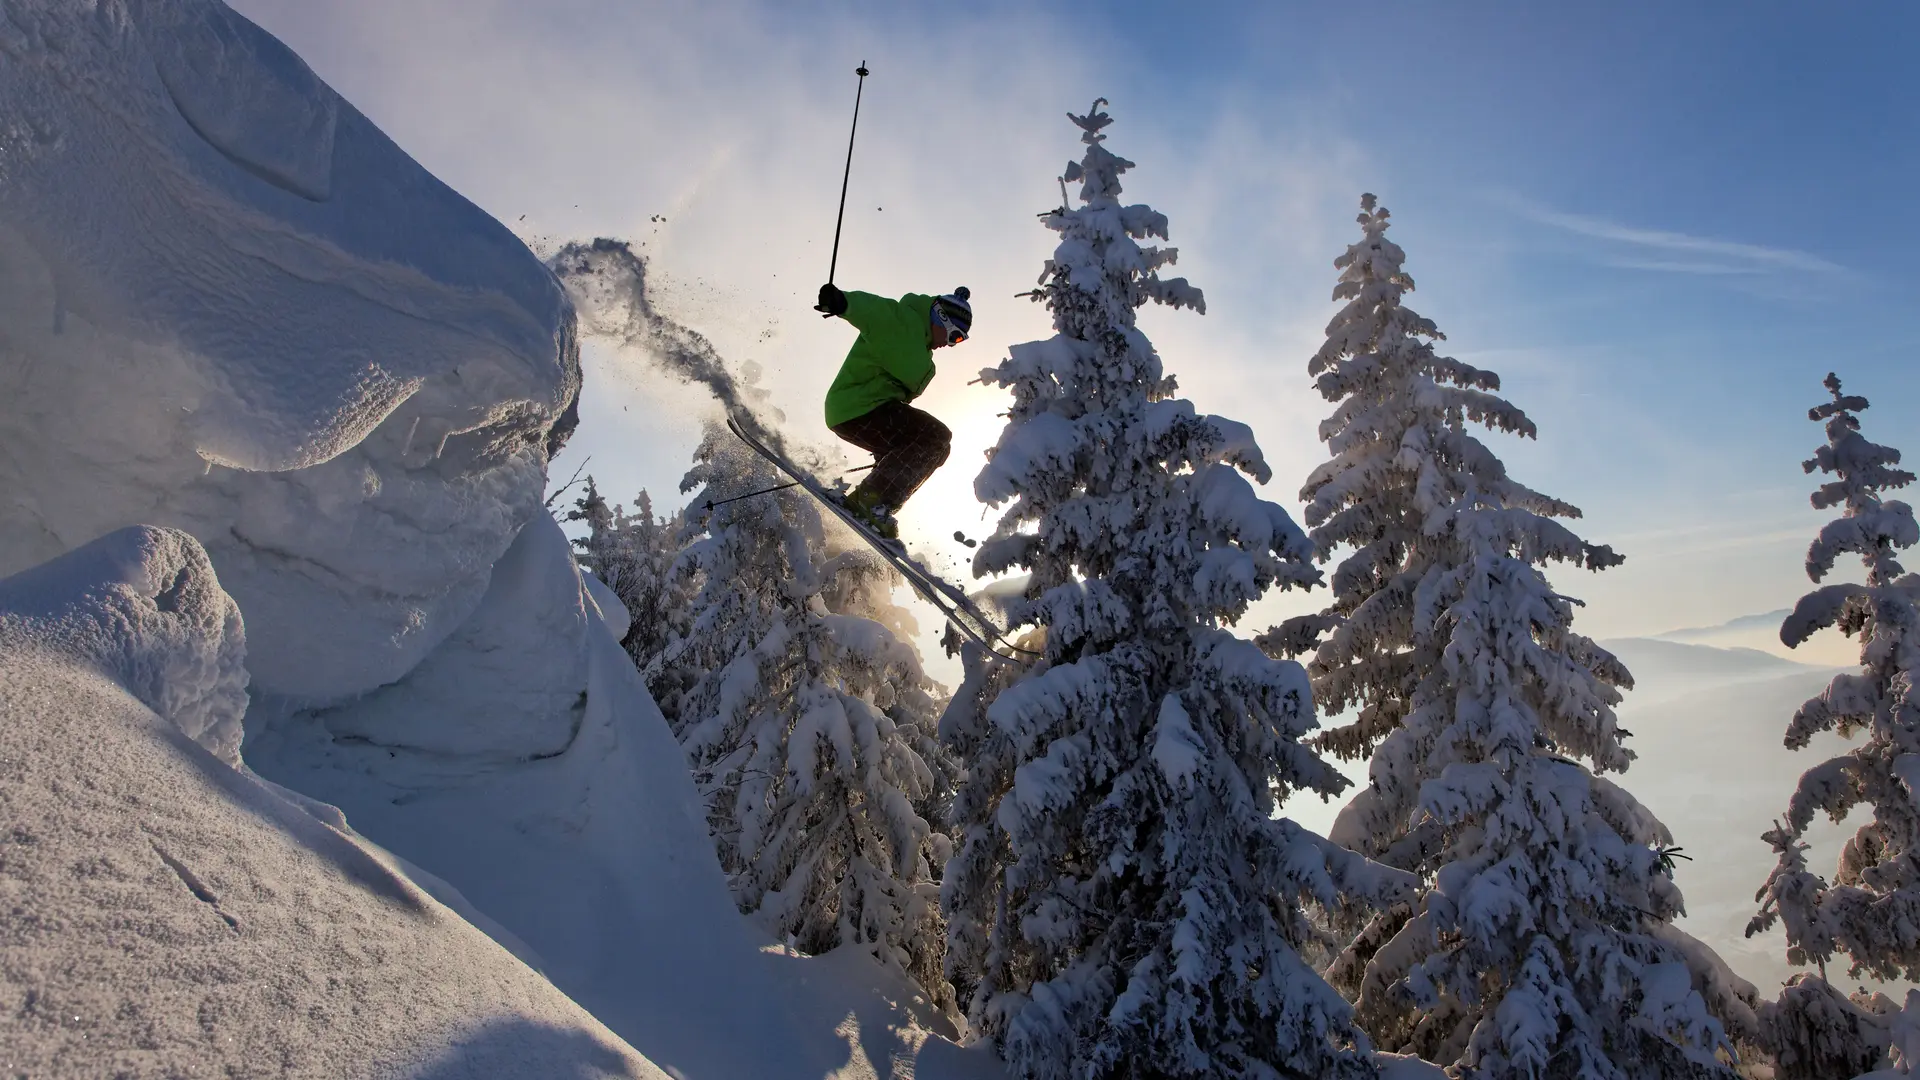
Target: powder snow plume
608 282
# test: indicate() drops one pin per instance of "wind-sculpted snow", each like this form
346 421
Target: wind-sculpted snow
608 606
169 914
234 307
535 612
141 607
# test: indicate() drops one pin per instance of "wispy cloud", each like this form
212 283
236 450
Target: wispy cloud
1685 266
1675 252
1701 539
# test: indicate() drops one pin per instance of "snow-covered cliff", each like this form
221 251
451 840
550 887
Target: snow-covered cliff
230 305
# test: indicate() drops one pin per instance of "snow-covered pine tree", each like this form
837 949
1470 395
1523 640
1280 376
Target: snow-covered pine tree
1815 1032
1124 903
810 727
634 556
1544 944
1403 450
1871 909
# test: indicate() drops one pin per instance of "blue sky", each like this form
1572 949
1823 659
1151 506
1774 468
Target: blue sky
1662 225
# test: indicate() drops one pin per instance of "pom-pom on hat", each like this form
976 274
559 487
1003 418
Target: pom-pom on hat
954 309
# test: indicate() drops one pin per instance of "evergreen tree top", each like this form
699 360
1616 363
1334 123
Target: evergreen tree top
1100 168
1862 470
1373 273
1110 477
1403 410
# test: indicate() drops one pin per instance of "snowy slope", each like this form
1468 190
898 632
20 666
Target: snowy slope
229 304
595 856
169 915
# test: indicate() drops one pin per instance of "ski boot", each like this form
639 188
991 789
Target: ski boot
869 512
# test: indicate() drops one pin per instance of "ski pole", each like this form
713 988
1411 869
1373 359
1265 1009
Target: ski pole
768 491
834 264
763 491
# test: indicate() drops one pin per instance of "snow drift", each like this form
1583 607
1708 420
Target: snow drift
232 306
141 607
169 914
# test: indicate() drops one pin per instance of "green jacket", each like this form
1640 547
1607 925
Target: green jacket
891 360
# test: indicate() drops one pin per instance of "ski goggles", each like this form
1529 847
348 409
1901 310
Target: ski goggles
956 330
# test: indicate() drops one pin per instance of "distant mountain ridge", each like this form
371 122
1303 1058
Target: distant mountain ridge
1761 633
1659 664
1766 621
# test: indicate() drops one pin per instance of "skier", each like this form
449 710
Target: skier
889 365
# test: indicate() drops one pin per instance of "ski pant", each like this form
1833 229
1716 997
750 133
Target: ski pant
907 446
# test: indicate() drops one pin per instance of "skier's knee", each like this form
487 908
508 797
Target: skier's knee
939 444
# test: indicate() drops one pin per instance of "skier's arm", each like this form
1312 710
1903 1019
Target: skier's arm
869 312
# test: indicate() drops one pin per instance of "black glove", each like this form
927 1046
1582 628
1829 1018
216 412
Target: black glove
832 302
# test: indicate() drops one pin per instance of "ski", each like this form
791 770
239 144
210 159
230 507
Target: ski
959 610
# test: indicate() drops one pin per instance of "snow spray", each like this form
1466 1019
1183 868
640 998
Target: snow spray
607 280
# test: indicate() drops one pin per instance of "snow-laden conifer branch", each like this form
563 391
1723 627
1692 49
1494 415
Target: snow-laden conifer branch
1815 1032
